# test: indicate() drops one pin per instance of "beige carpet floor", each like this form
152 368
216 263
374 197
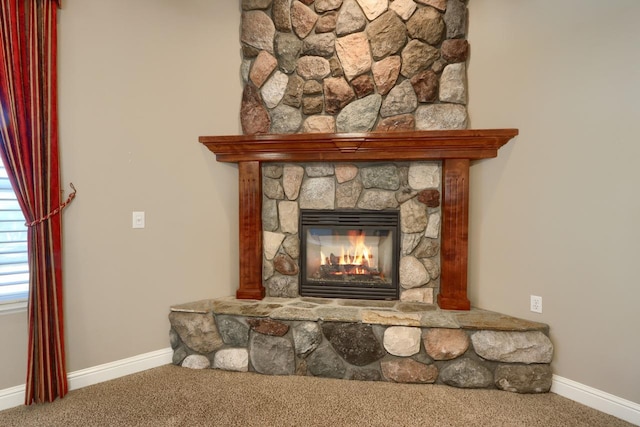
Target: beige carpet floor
174 396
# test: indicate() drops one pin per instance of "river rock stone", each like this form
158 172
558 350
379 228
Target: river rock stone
345 172
417 56
405 193
513 347
403 122
302 19
324 362
288 213
441 117
438 4
319 45
427 25
174 338
351 19
255 4
383 176
354 53
281 14
524 378
285 119
293 95
291 180
313 67
245 67
431 198
268 326
272 188
253 116
402 340
291 246
359 115
319 124
271 355
425 85
338 93
312 104
453 84
271 243
400 100
377 200
423 295
409 371
198 331
327 5
257 30
306 337
433 267
445 344
427 248
354 342
288 48
196 361
466 373
385 73
232 359
433 226
273 90
365 375
373 8
267 269
284 264
348 194
179 354
424 175
262 68
318 193
455 19
413 216
404 8
233 332
272 171
363 85
283 286
409 242
455 50
327 22
412 273
387 35
315 170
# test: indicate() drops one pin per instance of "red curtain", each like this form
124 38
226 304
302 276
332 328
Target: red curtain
29 149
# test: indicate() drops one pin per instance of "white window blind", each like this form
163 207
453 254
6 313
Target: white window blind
14 266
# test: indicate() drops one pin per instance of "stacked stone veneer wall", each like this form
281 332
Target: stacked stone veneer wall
353 65
412 188
515 361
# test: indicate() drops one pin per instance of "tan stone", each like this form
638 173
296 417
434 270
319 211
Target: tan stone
354 54
302 19
373 8
438 4
337 93
404 8
257 30
380 317
409 371
319 124
417 295
385 73
262 68
291 180
313 67
445 344
345 172
288 214
402 340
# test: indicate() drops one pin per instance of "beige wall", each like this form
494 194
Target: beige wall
557 214
139 82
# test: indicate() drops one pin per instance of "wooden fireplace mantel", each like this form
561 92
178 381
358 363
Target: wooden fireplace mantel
454 147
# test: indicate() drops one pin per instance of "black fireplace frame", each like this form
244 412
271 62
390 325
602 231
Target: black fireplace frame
385 219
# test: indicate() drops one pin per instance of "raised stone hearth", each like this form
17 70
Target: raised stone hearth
391 341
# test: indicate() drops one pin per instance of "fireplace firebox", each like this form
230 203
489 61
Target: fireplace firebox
349 254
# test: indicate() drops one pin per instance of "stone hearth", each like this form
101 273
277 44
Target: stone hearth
391 341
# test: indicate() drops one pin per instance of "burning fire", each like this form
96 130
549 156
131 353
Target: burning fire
358 256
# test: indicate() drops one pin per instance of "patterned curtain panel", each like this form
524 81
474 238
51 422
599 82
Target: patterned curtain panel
29 149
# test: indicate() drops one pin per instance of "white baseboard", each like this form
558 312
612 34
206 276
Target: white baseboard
14 396
597 399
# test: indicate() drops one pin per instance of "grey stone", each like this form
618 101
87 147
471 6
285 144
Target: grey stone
179 355
292 179
174 338
274 89
234 332
455 19
513 347
524 378
376 199
267 269
354 342
387 35
417 56
318 193
423 175
272 171
360 115
245 68
351 19
412 273
383 176
433 226
271 243
441 117
409 242
285 119
319 45
433 266
291 246
445 344
348 193
281 15
288 213
402 340
338 314
409 371
413 216
257 30
324 362
306 337
198 331
427 25
453 84
271 355
232 359
427 248
466 373
405 193
196 361
327 5
315 170
269 215
283 286
272 188
365 375
293 95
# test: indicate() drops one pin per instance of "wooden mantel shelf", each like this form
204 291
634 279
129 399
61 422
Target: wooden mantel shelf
454 147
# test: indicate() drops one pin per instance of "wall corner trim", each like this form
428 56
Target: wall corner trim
596 399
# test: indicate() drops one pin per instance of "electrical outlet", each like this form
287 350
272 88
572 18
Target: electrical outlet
137 220
536 304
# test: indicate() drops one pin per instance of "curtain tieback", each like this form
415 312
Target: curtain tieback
56 210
